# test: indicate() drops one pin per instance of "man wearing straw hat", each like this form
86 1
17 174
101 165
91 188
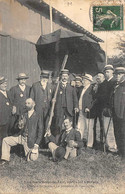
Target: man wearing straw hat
5 109
109 84
66 101
18 96
87 110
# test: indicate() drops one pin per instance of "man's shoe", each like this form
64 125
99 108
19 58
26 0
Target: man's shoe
3 162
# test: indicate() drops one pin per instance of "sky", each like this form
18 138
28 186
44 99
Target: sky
80 11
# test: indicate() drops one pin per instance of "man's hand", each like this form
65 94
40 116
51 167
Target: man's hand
35 149
72 144
87 110
76 109
14 110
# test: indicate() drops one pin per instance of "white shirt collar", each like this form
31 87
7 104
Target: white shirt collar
4 93
22 87
110 78
68 130
30 112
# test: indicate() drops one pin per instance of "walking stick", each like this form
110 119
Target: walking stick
106 135
75 119
54 98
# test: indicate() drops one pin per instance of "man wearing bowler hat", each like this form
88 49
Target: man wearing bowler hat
41 93
19 94
118 110
109 84
5 109
66 101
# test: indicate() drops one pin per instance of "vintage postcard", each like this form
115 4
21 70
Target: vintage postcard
61 122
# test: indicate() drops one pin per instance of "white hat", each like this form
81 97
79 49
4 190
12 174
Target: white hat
88 77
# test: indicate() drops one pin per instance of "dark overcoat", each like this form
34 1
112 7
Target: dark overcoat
89 101
37 94
18 98
5 109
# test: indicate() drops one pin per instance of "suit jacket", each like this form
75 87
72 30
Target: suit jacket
65 138
5 109
89 101
71 99
34 127
18 98
108 89
119 101
37 94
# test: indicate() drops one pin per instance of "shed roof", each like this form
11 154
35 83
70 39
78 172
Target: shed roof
41 6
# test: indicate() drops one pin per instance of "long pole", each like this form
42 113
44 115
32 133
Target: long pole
51 17
54 98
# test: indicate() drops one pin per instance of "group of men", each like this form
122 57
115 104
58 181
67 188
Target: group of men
25 112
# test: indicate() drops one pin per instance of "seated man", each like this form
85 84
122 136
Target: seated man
68 144
30 135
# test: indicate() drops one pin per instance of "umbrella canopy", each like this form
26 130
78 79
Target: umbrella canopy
85 54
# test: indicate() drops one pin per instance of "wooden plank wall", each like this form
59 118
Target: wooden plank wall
18 56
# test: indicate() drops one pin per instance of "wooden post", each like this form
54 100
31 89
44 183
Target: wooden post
51 17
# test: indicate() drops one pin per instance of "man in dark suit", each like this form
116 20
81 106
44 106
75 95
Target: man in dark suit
41 93
87 110
18 96
69 140
118 110
100 98
5 110
66 101
109 84
31 129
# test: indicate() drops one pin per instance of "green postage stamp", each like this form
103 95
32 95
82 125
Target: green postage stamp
107 18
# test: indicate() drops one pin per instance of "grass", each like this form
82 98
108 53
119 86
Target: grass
88 173
94 172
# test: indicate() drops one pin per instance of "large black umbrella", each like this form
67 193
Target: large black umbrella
85 54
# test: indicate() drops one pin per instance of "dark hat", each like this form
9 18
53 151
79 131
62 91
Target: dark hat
60 153
119 70
64 71
78 78
22 76
2 79
108 67
44 74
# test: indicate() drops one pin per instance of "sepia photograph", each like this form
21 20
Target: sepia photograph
62 96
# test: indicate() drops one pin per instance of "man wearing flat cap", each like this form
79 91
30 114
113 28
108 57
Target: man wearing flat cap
5 109
18 95
109 84
41 93
118 110
87 110
66 101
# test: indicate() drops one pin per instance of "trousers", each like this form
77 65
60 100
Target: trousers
12 141
110 139
70 152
